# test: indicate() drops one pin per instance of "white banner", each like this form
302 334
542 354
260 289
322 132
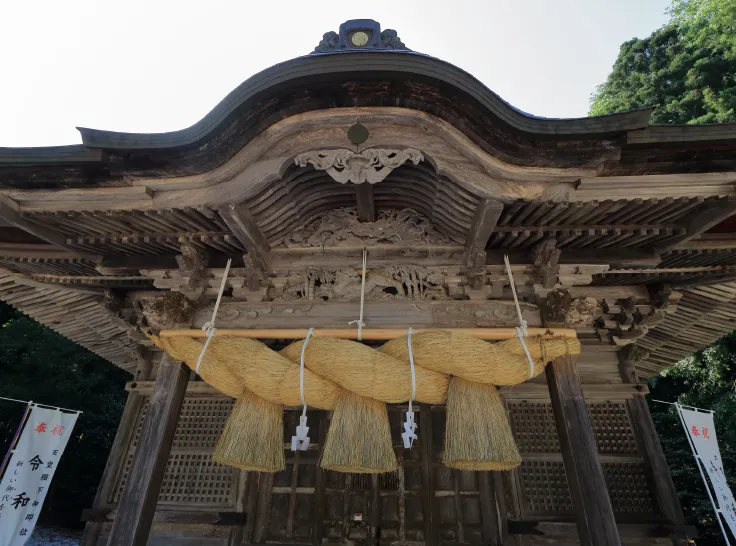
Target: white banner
30 470
702 433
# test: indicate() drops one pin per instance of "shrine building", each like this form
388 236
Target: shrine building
621 241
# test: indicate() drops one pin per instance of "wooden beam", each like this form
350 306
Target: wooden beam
378 314
709 215
9 212
531 392
588 490
140 494
366 202
244 227
484 222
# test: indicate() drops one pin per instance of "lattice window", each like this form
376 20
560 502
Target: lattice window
541 483
628 487
612 427
534 427
544 490
191 476
535 431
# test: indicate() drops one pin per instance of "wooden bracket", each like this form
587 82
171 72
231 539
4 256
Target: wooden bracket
484 222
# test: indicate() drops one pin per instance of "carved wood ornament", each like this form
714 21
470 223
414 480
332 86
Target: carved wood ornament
372 165
342 227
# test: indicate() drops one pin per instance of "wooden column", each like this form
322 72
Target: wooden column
590 500
648 441
138 500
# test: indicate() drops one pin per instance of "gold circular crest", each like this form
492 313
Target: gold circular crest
359 38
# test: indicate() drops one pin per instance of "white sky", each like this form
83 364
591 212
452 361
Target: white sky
153 66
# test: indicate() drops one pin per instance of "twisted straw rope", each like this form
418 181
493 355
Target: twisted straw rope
233 364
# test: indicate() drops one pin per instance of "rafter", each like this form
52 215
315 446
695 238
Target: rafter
709 215
9 213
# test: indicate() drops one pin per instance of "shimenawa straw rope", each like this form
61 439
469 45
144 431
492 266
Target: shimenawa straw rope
209 327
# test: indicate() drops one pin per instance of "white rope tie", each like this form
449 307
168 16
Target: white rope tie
521 330
209 327
410 427
359 321
300 441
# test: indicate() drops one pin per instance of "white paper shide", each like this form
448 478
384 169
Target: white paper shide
30 470
702 433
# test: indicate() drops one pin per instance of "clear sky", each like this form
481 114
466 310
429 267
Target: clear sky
154 65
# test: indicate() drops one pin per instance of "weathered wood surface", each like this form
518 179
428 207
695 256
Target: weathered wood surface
588 490
240 221
484 221
140 494
9 211
366 202
378 314
658 471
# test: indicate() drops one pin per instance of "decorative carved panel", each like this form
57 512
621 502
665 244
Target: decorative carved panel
372 165
341 227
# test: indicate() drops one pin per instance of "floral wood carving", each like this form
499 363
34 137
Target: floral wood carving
392 283
372 165
341 227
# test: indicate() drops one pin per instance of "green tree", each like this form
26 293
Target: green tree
686 69
705 380
38 364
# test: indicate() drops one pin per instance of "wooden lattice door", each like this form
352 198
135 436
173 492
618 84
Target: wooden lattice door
422 502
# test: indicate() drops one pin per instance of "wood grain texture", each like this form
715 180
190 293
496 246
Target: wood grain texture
138 500
588 490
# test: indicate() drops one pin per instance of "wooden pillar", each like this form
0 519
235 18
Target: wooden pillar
590 500
648 440
138 500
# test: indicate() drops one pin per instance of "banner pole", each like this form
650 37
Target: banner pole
15 439
699 463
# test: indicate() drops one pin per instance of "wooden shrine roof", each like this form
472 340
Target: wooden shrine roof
624 204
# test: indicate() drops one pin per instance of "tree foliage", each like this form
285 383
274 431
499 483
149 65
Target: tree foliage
38 364
686 69
705 380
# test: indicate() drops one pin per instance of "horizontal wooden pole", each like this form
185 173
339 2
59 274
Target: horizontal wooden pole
487 334
594 392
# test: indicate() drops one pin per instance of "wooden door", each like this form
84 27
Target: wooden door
422 502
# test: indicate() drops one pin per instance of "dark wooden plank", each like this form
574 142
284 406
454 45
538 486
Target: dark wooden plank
138 500
9 213
251 506
484 222
374 512
489 509
319 486
428 500
588 491
366 202
241 223
499 486
263 512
